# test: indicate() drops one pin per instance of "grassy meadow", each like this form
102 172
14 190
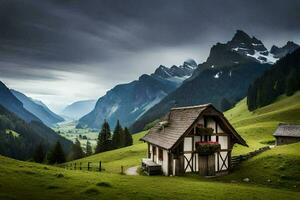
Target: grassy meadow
24 180
274 174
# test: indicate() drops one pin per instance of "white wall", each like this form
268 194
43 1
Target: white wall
223 141
165 164
150 150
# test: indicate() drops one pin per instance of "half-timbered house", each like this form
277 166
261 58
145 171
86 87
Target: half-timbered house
191 139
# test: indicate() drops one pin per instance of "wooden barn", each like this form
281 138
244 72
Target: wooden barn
191 139
287 134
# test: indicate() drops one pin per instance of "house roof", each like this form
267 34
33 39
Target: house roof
288 130
179 121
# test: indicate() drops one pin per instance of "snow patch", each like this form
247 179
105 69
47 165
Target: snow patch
212 66
267 59
217 75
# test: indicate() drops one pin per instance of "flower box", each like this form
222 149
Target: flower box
207 148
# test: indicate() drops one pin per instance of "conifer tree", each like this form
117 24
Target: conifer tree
104 139
128 137
76 152
118 136
225 104
89 150
57 154
291 83
39 154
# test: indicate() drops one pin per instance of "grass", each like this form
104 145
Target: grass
257 127
274 174
278 167
127 157
44 183
12 133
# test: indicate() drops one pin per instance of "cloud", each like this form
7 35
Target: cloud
107 42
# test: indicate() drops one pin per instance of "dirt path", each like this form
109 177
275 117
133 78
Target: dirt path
132 171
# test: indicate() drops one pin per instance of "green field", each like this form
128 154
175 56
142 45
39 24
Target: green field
278 167
24 180
274 174
257 127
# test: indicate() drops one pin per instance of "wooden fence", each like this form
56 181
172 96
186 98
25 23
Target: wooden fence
236 160
89 166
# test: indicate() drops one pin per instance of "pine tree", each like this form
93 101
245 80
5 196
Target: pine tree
57 154
118 138
104 139
291 83
76 152
89 150
39 154
128 137
225 104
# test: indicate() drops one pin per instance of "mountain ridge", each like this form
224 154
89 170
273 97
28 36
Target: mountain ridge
38 108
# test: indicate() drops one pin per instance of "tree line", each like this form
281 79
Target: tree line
106 141
282 78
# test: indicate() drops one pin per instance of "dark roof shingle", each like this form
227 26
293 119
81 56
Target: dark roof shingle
179 120
288 130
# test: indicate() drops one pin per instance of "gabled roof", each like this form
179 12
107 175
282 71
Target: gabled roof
179 121
288 130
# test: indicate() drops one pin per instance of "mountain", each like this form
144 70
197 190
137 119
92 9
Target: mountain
127 102
280 52
282 78
11 103
227 73
78 109
19 139
38 108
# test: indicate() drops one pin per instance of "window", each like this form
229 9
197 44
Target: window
160 155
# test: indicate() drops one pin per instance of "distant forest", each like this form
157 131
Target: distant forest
282 78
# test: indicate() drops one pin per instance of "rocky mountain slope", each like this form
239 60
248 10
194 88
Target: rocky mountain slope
38 108
227 73
127 102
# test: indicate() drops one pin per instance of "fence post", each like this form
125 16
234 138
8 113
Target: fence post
122 169
100 166
71 166
75 166
79 166
88 166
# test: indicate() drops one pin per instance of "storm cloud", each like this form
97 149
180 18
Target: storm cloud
94 44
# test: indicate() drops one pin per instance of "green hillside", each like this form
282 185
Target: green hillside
24 180
257 127
127 157
279 167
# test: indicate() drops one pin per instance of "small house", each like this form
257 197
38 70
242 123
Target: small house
191 139
287 134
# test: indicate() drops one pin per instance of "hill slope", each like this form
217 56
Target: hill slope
258 126
11 103
18 139
38 109
23 180
279 167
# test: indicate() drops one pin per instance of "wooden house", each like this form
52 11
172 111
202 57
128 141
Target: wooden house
287 134
191 139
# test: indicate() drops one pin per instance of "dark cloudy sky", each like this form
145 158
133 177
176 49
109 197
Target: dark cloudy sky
61 51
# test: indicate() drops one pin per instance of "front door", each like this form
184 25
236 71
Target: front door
206 165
